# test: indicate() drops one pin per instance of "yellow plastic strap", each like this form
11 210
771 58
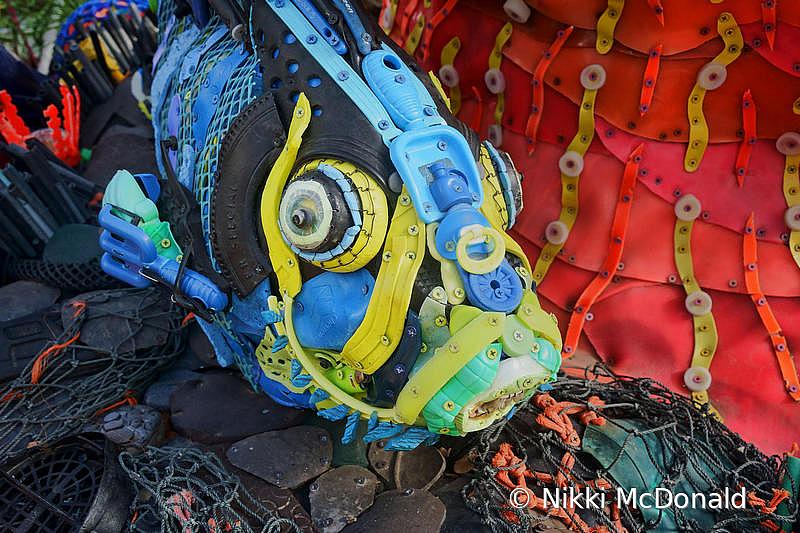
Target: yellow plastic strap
448 57
116 74
538 320
462 347
453 284
438 84
705 328
698 127
569 184
281 256
312 367
412 41
791 191
374 217
382 328
494 204
606 24
495 59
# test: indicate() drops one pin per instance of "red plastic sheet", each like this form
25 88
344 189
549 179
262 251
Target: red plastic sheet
714 184
785 53
648 253
687 23
666 118
645 331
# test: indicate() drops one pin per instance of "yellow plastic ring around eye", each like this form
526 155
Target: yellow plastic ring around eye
488 264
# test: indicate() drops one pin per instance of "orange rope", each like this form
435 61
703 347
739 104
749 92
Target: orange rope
127 399
187 318
41 361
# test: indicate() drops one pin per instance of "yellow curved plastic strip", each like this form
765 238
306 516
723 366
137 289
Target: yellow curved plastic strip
569 184
538 320
791 191
445 363
796 107
374 217
382 328
606 24
412 41
448 57
314 370
451 279
281 256
698 127
495 60
438 84
705 328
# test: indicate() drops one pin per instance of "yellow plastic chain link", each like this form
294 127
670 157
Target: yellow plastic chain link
606 24
495 59
449 53
462 347
281 255
791 191
569 184
382 328
374 217
698 127
451 279
705 328
412 41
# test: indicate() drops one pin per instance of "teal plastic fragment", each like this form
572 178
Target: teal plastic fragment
791 482
625 454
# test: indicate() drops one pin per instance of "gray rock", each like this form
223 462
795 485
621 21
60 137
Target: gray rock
158 394
132 426
201 347
409 511
222 407
419 468
460 518
25 297
382 461
340 495
286 458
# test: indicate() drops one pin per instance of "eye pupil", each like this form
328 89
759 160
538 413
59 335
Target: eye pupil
301 218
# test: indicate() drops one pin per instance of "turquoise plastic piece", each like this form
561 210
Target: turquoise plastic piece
474 378
633 468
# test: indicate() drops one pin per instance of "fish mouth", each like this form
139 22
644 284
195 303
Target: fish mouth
484 409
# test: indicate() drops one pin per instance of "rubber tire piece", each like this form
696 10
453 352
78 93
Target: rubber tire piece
250 148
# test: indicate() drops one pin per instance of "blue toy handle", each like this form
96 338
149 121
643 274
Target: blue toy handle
130 256
192 283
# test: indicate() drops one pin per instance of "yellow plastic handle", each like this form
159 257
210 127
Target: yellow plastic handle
488 264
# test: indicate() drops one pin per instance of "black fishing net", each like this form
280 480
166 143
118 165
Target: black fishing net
114 344
76 277
689 451
186 489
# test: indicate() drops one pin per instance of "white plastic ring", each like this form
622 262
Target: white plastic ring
697 379
517 10
448 75
698 303
495 81
495 135
792 217
571 163
556 232
788 143
593 77
712 75
687 208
